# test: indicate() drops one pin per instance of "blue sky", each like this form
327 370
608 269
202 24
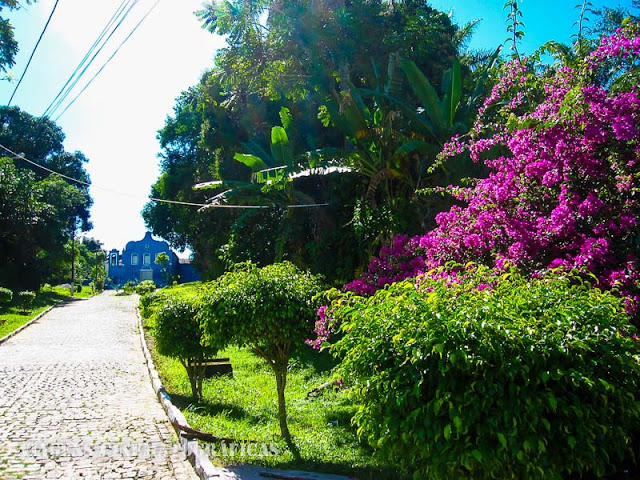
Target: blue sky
114 123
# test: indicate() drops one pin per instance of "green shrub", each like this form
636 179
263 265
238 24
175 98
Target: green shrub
25 299
6 295
150 302
493 378
271 309
146 286
128 288
178 335
47 288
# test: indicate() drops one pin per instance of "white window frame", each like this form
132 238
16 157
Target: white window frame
135 259
146 259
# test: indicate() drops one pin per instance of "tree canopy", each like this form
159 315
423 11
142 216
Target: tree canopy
340 72
39 211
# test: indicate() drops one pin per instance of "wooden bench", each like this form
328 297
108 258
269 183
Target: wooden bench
217 367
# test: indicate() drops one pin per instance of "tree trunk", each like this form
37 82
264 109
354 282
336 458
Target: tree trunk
281 381
192 373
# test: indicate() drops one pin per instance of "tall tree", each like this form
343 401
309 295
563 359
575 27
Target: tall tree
8 43
40 211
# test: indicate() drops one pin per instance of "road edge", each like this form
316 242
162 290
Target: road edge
194 453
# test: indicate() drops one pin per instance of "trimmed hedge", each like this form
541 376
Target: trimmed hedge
6 295
145 287
476 376
26 299
150 302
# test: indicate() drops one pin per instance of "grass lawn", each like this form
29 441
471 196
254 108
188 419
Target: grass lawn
12 317
244 408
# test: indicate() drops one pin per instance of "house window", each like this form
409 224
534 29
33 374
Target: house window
147 259
114 260
134 259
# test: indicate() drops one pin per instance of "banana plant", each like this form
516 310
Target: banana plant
272 178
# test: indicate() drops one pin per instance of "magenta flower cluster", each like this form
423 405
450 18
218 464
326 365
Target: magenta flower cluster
563 154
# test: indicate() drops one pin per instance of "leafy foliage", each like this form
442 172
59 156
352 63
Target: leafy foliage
472 374
145 287
270 309
25 299
8 43
150 302
346 104
561 148
39 212
178 334
6 295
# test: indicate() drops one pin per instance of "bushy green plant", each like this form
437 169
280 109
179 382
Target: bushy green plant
271 309
144 287
150 302
464 375
26 299
128 288
178 335
6 295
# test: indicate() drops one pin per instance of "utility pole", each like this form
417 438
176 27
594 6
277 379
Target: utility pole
73 256
73 263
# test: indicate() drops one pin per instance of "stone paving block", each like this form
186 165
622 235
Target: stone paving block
76 400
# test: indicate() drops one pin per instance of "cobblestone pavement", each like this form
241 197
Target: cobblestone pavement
76 401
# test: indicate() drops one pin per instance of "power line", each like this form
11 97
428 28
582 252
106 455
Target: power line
153 199
75 76
86 67
86 56
35 164
109 59
33 52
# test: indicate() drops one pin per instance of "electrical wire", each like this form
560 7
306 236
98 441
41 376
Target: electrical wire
88 54
153 199
119 16
33 52
35 164
108 60
77 79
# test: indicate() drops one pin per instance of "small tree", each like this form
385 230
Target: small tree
271 309
26 299
178 335
163 260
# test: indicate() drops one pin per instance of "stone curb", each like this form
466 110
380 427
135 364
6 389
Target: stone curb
33 320
195 454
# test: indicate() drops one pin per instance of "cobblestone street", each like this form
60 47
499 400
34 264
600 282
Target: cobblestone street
76 401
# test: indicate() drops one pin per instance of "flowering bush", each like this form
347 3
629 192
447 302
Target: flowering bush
563 153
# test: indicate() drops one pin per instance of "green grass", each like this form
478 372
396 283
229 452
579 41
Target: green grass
244 408
12 317
184 290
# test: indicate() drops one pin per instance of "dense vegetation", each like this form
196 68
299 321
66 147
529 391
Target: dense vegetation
39 212
306 107
486 206
488 376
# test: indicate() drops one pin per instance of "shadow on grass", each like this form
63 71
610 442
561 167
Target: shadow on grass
204 408
306 357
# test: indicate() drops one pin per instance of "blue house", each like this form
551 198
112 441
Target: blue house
137 262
